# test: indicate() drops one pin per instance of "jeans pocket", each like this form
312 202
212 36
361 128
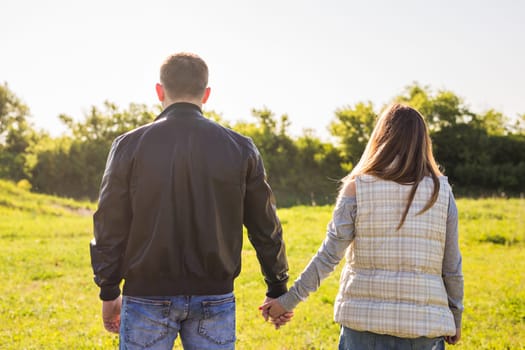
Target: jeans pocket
424 343
145 320
440 344
218 322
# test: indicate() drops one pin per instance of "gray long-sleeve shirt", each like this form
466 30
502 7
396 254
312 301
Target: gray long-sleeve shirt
333 249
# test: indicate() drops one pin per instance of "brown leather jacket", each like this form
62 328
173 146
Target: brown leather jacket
173 201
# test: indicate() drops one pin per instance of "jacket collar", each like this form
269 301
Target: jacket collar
177 108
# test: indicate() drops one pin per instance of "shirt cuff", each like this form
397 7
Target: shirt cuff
109 293
289 301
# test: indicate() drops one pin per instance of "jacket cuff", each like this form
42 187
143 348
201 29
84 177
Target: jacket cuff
109 293
275 290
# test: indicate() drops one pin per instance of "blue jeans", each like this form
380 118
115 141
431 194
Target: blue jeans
355 340
203 322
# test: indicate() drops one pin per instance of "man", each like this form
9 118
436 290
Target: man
174 197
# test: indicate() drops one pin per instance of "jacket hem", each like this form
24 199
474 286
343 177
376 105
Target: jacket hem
143 287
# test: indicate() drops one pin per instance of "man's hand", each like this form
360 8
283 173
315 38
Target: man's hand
273 310
111 314
453 339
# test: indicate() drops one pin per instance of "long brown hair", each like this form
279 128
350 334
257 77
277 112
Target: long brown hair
400 150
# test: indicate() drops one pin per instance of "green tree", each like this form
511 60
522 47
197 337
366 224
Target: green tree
49 162
320 169
352 127
494 122
300 171
12 111
278 151
72 165
518 127
16 135
441 109
105 124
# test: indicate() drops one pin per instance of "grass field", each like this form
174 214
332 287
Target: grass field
48 299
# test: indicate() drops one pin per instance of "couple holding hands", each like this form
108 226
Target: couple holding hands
176 193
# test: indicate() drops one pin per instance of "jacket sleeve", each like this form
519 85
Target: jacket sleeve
264 228
111 224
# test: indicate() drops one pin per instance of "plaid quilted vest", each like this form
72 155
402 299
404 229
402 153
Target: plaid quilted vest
391 282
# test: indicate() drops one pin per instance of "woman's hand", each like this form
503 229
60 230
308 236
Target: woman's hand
453 339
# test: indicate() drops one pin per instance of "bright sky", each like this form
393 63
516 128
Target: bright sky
304 58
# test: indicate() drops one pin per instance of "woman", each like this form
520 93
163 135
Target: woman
402 285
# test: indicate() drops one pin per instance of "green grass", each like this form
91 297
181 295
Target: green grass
49 301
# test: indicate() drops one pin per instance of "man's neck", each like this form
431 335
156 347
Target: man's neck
166 103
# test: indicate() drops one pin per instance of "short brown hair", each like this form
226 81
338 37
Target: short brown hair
184 75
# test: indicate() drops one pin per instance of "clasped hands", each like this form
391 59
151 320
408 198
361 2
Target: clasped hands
273 311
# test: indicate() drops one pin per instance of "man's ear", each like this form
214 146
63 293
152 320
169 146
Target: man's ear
160 92
206 95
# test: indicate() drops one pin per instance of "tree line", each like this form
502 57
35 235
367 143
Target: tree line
481 153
